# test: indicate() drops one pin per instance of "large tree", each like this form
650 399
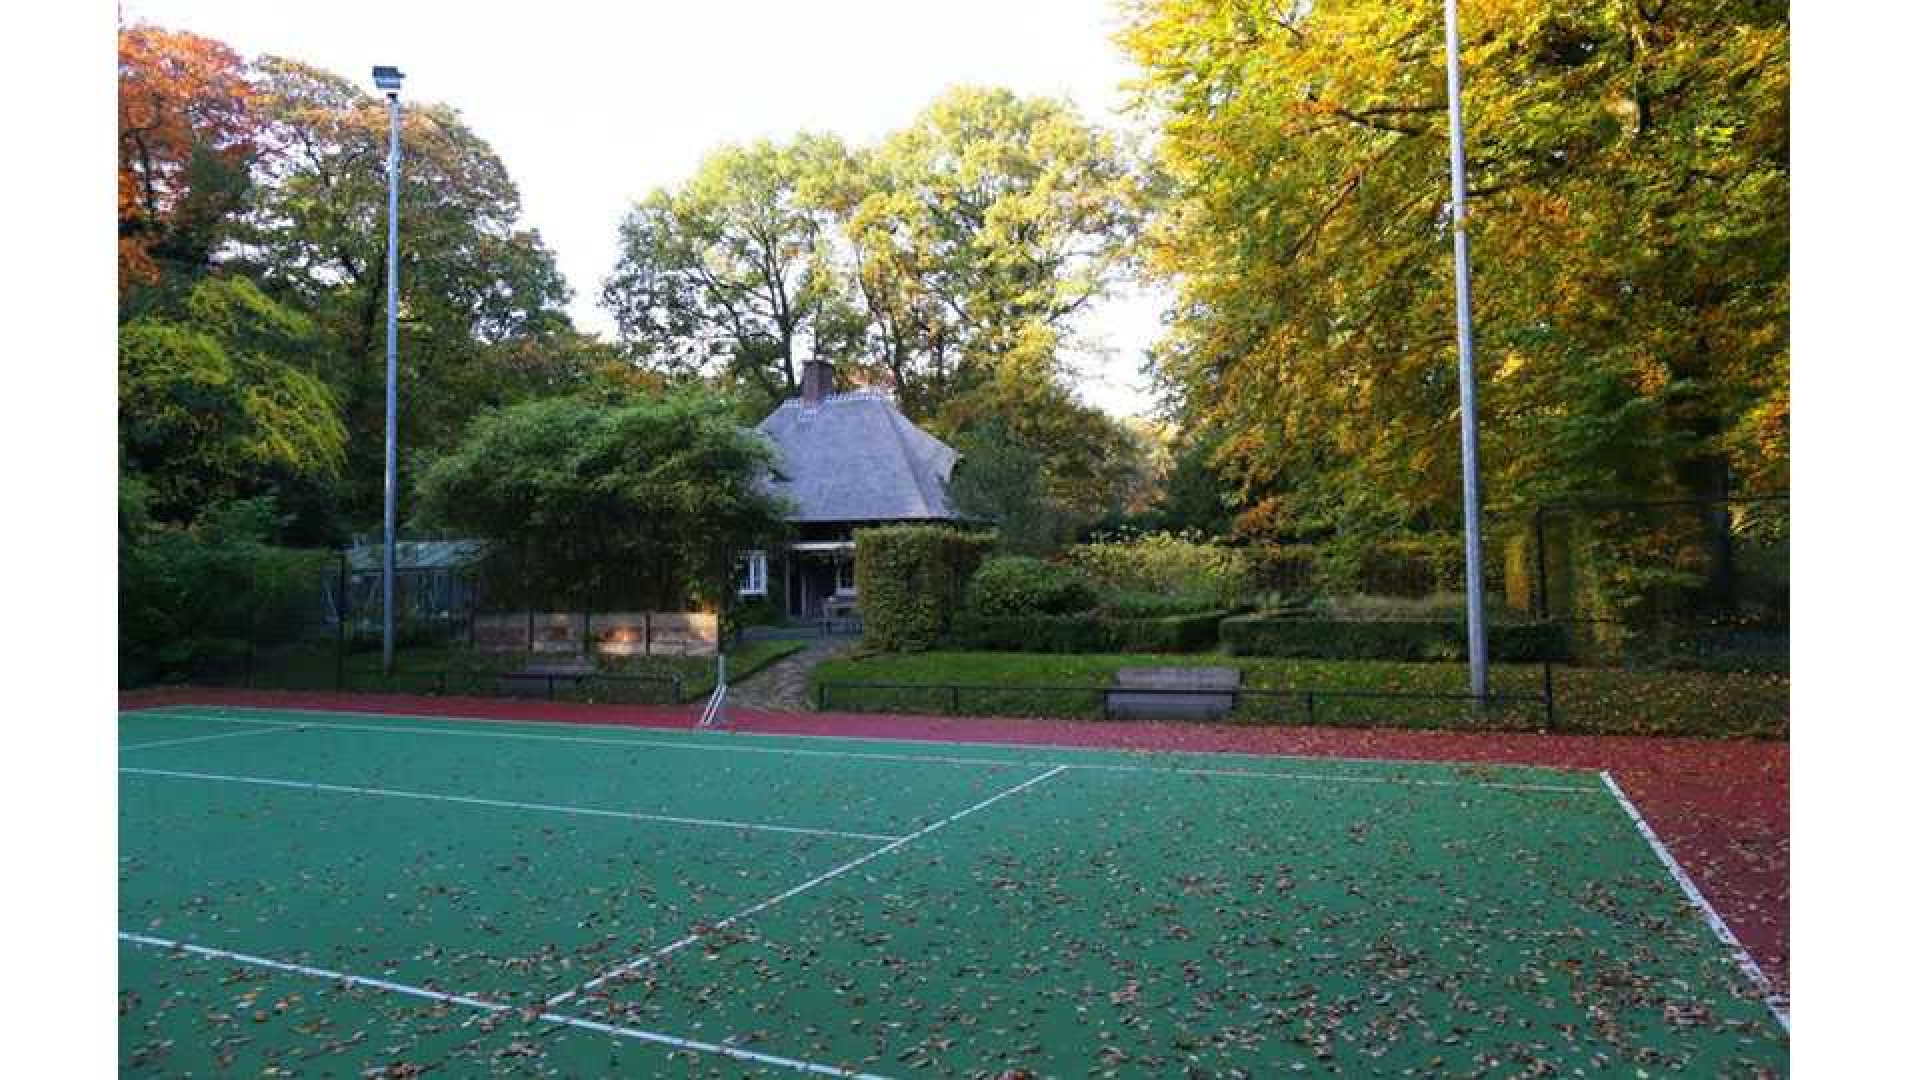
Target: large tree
639 502
1629 174
476 287
186 143
975 235
214 405
724 275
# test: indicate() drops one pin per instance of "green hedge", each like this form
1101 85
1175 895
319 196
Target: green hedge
1400 639
1130 604
1022 585
1087 633
911 580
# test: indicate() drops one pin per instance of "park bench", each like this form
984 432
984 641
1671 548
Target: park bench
1173 693
541 677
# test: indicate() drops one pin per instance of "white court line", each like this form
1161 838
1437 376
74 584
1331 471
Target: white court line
674 1041
207 738
1775 1003
733 733
471 800
650 957
926 758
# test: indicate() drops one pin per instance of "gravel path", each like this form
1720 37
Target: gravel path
782 686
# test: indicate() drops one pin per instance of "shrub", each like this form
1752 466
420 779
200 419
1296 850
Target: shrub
1163 562
1021 585
1132 604
911 580
1400 639
206 595
1286 570
1087 633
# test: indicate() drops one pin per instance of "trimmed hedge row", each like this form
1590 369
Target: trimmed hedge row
911 579
1400 639
1087 633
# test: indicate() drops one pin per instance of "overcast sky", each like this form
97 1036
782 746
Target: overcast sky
592 105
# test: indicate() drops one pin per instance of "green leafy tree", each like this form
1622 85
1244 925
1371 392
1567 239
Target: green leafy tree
999 481
1194 496
639 503
725 274
974 236
212 408
1629 173
475 286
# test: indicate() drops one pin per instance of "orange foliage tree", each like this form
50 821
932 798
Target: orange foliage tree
186 136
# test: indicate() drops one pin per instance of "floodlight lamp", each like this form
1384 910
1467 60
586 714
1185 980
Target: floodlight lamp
387 79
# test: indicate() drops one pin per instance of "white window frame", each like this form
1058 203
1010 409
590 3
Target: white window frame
756 574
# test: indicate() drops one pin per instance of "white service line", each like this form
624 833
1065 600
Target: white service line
210 738
674 1041
650 957
1775 1003
926 758
471 800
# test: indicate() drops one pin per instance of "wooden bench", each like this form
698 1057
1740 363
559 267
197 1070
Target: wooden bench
1173 693
537 678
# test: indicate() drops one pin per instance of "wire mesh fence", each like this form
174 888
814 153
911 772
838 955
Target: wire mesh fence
1676 585
275 619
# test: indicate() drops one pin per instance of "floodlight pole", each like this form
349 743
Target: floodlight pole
388 79
1469 409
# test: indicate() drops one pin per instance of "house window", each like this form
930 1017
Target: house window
754 566
843 575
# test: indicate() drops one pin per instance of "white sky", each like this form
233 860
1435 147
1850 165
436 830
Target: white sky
592 105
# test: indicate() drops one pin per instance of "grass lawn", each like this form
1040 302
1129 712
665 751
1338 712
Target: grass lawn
455 669
1587 700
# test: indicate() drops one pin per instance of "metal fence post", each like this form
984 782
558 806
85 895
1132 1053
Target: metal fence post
825 696
340 634
1546 686
953 701
1309 697
1540 560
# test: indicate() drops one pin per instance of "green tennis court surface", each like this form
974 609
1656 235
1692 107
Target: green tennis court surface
332 894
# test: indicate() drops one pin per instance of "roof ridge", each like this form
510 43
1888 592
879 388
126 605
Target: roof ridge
914 464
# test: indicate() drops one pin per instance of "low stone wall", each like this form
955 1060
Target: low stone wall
644 633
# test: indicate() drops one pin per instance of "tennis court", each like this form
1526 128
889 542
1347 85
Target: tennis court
313 893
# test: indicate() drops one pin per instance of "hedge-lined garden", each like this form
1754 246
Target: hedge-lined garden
1591 701
1023 636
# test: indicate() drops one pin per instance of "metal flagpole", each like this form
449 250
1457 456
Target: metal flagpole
1463 319
388 79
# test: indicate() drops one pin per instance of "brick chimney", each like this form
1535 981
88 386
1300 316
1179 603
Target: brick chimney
816 380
